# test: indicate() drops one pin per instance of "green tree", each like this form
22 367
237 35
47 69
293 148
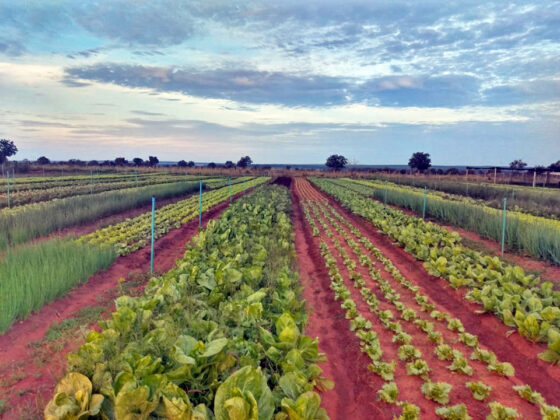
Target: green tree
229 164
153 161
336 162
555 167
182 163
43 160
7 149
120 161
191 164
420 161
244 162
517 164
211 165
138 161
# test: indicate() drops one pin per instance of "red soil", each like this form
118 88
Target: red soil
355 387
30 393
491 332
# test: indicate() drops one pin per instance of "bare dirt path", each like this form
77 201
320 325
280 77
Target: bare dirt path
353 396
30 367
491 332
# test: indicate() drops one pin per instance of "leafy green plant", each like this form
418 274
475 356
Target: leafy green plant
500 412
479 390
244 395
409 412
408 352
417 367
552 353
437 391
460 364
73 399
444 352
389 392
501 368
453 412
528 394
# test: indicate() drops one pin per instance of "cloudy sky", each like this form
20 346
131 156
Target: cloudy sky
470 82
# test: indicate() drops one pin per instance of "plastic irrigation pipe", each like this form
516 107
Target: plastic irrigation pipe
200 206
152 247
504 226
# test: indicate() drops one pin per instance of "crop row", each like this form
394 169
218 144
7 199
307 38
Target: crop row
520 300
22 223
132 234
219 336
19 196
536 236
537 201
42 183
407 352
33 274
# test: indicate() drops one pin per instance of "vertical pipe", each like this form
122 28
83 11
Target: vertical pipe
495 172
534 178
467 175
91 182
152 246
8 180
200 205
424 205
504 225
136 175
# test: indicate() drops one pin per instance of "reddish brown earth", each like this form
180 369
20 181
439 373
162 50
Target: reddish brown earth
546 270
491 332
29 374
353 396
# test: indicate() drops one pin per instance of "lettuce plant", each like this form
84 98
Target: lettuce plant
437 391
500 412
480 391
453 412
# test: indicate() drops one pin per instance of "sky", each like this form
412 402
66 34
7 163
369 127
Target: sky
470 82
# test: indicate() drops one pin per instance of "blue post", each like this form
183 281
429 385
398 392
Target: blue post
424 205
504 226
229 181
152 248
8 180
200 206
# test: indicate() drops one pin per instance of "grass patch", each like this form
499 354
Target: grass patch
33 275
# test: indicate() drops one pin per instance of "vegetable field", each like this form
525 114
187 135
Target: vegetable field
298 299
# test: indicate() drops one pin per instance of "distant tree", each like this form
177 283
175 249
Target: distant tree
108 163
120 161
229 164
336 162
182 163
420 161
76 162
517 164
43 160
138 161
555 167
93 163
244 162
7 149
540 169
212 165
153 161
452 171
190 164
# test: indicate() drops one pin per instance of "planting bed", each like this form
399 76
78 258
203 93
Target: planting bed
385 292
